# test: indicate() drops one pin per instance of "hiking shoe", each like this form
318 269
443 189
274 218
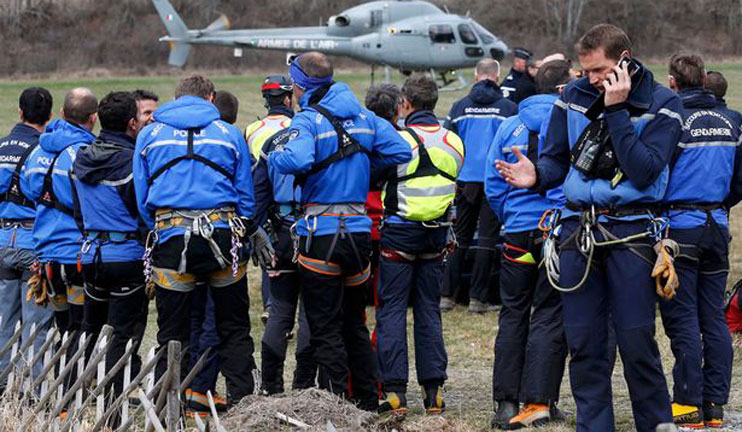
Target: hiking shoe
531 415
264 316
666 427
713 415
477 307
505 411
433 400
394 404
447 304
687 416
200 402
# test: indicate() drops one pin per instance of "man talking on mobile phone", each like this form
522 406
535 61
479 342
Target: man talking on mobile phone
611 136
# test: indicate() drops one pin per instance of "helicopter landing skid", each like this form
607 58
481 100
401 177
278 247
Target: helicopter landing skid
445 82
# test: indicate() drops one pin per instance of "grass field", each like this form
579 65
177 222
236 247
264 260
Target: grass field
469 338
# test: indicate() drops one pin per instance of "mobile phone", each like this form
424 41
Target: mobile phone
631 65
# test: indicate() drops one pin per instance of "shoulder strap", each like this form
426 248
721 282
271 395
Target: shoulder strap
190 155
426 167
48 197
532 153
13 194
347 146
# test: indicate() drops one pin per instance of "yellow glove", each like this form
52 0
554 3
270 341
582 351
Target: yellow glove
665 277
38 286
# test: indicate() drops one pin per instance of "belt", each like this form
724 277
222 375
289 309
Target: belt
170 218
706 207
618 211
16 223
341 209
114 236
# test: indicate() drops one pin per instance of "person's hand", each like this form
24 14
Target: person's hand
617 86
521 174
262 248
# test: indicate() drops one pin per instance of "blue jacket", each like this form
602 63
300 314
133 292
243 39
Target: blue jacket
475 119
273 189
519 209
703 166
191 184
107 202
645 130
312 139
735 115
56 234
12 147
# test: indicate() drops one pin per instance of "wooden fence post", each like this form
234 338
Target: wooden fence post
173 390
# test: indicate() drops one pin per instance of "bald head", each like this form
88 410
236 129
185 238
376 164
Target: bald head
487 69
80 106
316 65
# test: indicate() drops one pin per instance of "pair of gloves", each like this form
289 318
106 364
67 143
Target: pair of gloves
665 278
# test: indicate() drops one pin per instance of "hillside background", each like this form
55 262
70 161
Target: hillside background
42 37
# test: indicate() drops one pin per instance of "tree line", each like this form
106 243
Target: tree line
43 37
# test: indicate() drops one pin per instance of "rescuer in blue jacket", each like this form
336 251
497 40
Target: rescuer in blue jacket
530 348
57 235
194 190
333 145
113 242
705 168
618 177
475 119
17 213
277 204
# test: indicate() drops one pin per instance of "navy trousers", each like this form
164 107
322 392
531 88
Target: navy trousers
284 295
530 348
204 335
694 318
472 210
418 277
620 288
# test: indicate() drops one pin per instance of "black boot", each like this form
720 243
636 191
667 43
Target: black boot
505 411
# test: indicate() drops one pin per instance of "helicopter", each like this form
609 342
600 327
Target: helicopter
411 36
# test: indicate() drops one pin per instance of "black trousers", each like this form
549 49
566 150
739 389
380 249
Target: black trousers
231 307
336 315
115 295
530 347
472 209
284 294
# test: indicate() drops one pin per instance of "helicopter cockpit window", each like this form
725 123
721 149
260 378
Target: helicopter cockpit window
484 35
441 33
467 35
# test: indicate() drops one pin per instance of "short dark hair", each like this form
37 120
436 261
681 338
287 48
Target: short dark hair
551 75
228 105
79 105
140 94
195 85
688 70
36 105
421 91
612 39
115 110
716 82
383 100
316 65
276 100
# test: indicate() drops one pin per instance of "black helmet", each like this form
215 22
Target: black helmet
277 85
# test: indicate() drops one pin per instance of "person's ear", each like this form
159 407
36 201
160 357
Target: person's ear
671 82
133 125
625 53
211 98
20 115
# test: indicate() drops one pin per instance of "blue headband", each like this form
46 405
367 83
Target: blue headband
301 79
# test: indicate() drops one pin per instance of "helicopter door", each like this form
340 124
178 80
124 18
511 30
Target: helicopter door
444 49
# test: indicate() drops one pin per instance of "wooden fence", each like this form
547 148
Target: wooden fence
84 398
